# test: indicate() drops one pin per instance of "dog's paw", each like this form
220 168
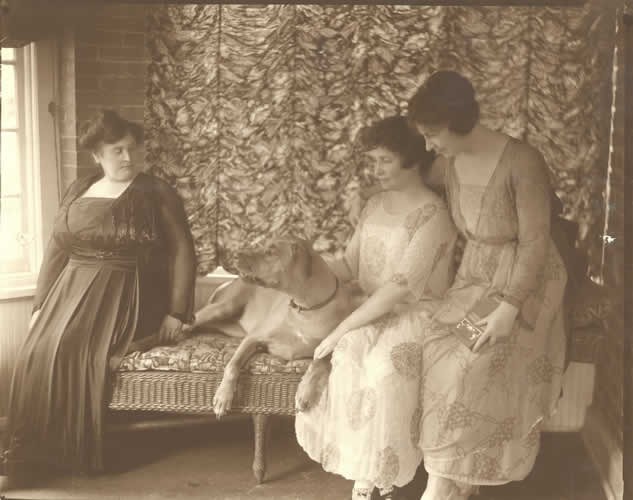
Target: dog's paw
222 400
309 392
304 399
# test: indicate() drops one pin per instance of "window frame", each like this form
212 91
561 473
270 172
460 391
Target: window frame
21 70
36 77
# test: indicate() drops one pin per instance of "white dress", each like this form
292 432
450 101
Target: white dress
365 425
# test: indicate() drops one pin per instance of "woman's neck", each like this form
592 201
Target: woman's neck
408 194
108 188
480 141
413 191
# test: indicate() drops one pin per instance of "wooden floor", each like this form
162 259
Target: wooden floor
213 462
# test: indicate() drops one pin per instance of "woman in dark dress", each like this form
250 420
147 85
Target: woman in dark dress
119 265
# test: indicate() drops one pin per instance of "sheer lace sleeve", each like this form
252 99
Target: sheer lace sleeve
432 241
352 251
182 258
532 194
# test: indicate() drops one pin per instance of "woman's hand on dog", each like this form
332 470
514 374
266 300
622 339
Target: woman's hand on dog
170 330
328 344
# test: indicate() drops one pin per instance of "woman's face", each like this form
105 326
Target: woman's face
440 139
115 159
387 168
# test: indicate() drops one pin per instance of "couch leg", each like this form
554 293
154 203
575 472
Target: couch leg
260 425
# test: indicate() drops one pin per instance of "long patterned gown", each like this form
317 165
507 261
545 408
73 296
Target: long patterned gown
361 426
102 282
480 412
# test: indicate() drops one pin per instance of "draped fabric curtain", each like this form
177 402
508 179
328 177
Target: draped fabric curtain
252 111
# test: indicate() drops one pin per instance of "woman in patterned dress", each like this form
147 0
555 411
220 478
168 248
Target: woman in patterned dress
401 253
120 264
481 409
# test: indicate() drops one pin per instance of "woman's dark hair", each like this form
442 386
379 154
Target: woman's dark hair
394 134
446 98
107 127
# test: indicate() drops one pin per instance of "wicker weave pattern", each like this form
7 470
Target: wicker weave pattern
186 392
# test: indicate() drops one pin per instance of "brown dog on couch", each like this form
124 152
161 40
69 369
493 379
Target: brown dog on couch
287 300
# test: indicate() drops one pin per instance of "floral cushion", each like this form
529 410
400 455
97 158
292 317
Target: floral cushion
207 352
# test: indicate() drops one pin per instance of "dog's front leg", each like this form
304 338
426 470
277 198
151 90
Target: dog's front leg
223 398
313 383
225 303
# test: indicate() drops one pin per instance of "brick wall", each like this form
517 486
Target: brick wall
105 56
66 112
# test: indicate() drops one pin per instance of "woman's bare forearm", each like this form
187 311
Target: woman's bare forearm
381 302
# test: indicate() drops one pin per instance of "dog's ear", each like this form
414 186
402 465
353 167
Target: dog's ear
302 249
310 239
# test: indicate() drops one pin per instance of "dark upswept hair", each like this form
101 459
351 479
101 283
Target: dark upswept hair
395 134
107 127
445 98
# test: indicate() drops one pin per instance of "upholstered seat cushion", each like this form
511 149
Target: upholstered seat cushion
207 352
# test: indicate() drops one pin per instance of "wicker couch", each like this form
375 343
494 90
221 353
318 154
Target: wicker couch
182 379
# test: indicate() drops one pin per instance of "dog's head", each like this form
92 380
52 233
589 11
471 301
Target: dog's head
282 264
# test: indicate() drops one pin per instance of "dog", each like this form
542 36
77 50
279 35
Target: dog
286 301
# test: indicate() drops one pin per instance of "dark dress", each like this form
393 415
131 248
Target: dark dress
112 270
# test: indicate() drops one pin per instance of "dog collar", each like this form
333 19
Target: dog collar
299 308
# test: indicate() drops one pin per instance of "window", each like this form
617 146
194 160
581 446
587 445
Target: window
26 190
14 221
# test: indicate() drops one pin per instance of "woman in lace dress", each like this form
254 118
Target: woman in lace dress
401 253
481 408
120 264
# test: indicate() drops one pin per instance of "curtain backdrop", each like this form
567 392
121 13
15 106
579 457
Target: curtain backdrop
251 111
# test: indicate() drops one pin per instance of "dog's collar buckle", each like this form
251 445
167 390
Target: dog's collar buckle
299 308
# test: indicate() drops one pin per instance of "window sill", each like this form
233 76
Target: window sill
26 288
17 292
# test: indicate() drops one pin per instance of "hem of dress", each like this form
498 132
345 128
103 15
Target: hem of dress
347 476
476 482
466 480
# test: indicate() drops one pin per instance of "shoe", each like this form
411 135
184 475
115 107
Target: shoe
393 494
361 493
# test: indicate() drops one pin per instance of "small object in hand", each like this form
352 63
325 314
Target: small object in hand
467 330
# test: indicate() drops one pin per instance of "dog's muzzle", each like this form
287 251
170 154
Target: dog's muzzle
249 278
255 280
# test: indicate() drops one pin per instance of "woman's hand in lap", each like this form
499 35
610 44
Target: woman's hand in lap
499 324
328 344
170 330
